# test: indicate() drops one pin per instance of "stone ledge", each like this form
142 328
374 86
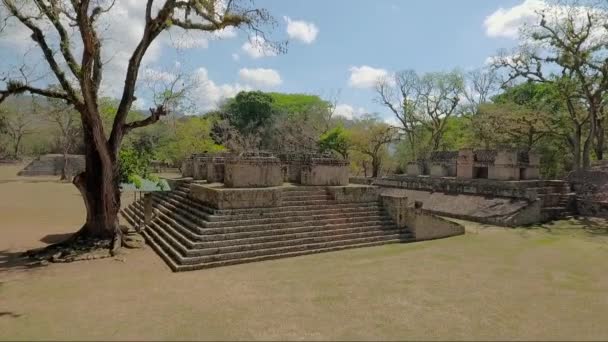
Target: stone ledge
217 196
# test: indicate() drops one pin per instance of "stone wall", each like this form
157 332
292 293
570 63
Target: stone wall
423 224
52 165
354 193
188 168
592 208
219 197
483 187
252 172
324 171
500 211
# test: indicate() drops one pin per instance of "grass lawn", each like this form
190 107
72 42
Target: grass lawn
546 282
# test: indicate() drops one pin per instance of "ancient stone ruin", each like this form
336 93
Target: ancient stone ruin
479 164
52 165
501 187
231 209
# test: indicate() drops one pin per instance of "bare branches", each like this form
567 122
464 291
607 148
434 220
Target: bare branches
14 88
155 115
39 37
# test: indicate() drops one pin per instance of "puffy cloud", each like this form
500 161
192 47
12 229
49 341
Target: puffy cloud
260 77
208 95
303 31
258 47
366 76
507 22
348 111
120 30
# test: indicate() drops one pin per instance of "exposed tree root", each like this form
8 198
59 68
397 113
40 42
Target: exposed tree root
81 247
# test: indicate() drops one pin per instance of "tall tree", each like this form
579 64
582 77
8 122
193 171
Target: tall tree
567 48
370 137
67 121
78 68
427 101
16 124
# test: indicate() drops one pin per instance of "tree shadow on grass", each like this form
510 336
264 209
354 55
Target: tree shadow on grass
31 181
16 261
55 238
9 314
588 225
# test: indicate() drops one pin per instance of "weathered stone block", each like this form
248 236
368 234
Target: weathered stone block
439 170
354 193
219 197
414 169
320 174
252 172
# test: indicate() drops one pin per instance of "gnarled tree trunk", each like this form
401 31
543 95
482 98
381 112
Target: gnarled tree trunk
98 185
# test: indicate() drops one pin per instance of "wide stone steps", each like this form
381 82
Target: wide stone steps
224 227
171 236
182 263
189 235
192 240
193 209
181 268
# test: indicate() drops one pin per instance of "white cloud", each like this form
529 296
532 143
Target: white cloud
236 57
348 111
120 31
208 95
365 76
303 31
258 47
260 77
506 23
393 121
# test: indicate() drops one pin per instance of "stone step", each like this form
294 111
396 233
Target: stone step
198 215
181 268
196 227
238 257
193 240
168 234
306 198
204 227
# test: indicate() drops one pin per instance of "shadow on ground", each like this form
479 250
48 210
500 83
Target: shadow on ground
9 314
15 261
591 226
31 181
55 238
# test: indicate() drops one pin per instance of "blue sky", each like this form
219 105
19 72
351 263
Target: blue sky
352 41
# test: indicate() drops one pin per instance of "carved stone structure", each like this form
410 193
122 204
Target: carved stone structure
321 170
52 165
503 165
263 169
252 170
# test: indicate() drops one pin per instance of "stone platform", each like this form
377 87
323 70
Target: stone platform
198 225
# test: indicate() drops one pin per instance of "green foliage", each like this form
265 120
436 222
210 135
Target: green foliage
294 104
250 111
191 135
133 164
336 139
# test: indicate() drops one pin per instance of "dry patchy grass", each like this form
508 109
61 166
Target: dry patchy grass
547 282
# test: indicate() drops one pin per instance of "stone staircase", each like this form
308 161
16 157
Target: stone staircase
189 235
558 200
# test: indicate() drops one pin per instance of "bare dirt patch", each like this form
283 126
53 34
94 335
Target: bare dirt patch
549 282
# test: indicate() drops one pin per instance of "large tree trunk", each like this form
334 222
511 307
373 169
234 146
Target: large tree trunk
575 141
588 145
101 194
17 147
376 163
600 134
